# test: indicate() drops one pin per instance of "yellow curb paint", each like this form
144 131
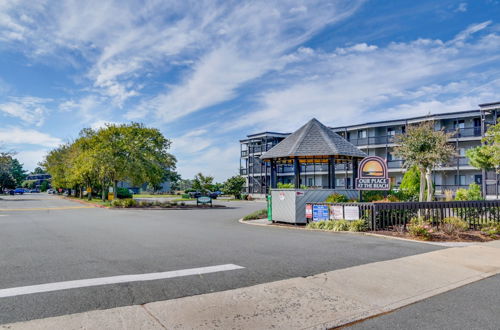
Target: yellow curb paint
48 208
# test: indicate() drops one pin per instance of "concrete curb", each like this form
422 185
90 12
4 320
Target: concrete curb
84 202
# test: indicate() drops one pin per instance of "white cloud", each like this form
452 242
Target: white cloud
31 110
257 38
342 88
462 7
474 28
12 136
31 158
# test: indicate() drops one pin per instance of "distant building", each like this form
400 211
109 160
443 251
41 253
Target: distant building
39 178
377 139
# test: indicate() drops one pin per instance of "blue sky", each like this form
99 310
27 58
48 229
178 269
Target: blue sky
207 73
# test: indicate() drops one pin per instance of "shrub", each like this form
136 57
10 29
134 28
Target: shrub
260 214
123 193
454 225
340 225
420 228
244 196
471 194
491 229
461 194
129 202
285 185
336 198
448 195
116 203
358 225
186 196
182 204
166 204
312 225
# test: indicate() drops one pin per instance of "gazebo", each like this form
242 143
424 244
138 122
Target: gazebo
313 143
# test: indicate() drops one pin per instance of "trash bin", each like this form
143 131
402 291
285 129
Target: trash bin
269 208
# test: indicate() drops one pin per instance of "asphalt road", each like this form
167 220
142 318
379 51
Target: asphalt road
45 239
474 307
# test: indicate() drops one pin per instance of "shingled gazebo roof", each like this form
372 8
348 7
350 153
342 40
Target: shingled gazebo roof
313 140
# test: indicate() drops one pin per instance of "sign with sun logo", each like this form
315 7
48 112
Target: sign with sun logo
372 174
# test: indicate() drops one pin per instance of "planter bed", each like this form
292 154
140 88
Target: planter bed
468 236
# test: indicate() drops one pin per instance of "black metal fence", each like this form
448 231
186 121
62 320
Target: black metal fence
383 216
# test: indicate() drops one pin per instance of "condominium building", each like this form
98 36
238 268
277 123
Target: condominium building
378 139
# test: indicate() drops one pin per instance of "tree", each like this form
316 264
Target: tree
424 147
38 170
487 156
410 185
12 173
234 186
100 158
203 183
17 171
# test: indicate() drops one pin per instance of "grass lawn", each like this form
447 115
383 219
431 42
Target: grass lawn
93 200
184 199
153 196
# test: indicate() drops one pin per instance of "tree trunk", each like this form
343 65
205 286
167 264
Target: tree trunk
104 191
115 186
422 185
430 190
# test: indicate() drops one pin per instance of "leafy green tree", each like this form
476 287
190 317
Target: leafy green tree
17 171
38 170
12 173
234 186
203 183
487 156
410 185
6 181
100 158
425 148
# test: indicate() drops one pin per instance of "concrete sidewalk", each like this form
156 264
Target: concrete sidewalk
318 302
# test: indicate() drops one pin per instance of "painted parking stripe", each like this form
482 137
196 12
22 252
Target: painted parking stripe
48 287
49 208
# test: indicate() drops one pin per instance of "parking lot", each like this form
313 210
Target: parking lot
49 240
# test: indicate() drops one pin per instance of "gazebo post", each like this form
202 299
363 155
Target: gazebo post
354 171
331 172
296 170
274 183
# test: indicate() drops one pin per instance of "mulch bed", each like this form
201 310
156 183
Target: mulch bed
468 236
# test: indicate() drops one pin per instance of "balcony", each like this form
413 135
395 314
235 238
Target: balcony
465 132
244 153
243 171
372 140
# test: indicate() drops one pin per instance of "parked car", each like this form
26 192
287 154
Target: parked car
11 192
34 191
18 191
51 191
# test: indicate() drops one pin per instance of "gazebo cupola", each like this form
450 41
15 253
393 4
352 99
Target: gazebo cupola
313 143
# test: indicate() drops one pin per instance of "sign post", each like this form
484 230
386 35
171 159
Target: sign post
372 174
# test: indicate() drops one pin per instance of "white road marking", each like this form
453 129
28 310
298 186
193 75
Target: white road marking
48 287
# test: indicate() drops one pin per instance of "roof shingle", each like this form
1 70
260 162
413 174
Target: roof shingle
313 139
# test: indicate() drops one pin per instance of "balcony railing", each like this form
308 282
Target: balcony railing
465 132
243 171
244 153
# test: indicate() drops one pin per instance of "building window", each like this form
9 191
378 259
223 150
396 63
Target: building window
459 124
310 182
391 131
362 134
459 180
